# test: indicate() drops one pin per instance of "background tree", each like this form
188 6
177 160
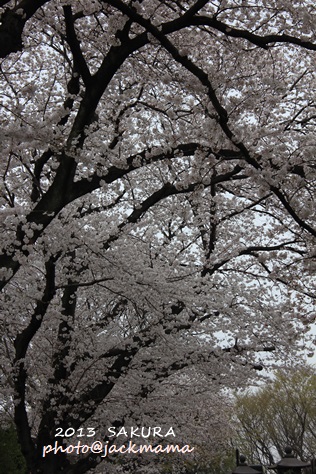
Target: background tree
282 413
157 205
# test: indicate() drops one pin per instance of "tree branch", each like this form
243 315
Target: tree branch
80 64
21 344
262 41
12 23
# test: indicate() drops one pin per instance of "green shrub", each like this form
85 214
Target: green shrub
12 461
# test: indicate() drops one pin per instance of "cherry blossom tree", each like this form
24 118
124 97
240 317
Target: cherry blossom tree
157 212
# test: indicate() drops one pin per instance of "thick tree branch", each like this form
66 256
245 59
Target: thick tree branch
144 158
252 250
166 191
262 41
80 64
21 344
292 212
